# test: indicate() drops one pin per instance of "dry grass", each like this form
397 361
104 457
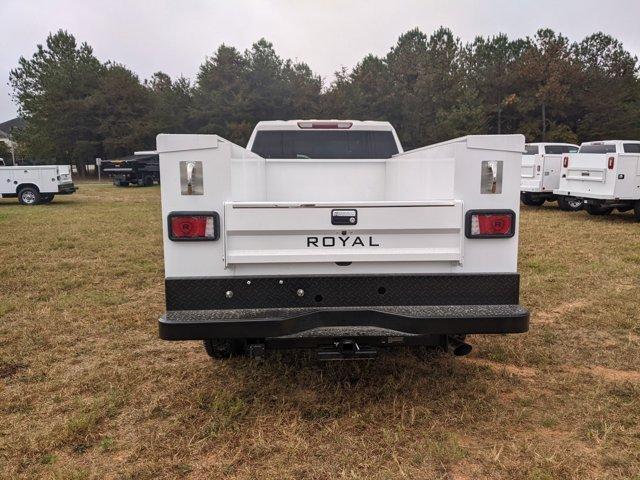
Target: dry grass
88 391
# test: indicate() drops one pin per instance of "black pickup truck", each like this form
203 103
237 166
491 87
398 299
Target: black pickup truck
139 169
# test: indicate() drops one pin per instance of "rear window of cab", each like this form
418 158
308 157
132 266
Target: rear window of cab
325 144
599 148
559 149
631 147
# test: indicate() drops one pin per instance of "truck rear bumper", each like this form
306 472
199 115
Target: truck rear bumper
421 320
66 189
445 304
587 195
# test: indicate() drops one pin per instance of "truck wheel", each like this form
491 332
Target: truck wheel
223 347
530 200
569 204
636 210
148 181
597 209
47 197
29 196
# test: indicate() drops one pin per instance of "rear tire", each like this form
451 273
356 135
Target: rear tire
636 210
47 197
222 348
570 204
530 200
597 209
148 181
29 196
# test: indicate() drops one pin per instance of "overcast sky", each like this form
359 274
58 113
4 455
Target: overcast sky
176 36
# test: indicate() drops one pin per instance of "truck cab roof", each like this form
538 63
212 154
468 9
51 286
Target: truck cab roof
323 124
552 143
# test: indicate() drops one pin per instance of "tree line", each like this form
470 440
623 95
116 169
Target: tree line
430 87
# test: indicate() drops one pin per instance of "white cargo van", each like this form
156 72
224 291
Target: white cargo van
35 184
326 234
540 174
605 175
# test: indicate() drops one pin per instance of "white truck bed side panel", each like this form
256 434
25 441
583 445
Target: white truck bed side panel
194 258
45 177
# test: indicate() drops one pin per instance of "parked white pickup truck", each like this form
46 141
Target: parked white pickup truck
540 174
326 234
35 184
605 175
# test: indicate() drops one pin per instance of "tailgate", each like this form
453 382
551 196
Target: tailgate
585 167
263 232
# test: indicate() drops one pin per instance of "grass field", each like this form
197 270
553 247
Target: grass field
87 390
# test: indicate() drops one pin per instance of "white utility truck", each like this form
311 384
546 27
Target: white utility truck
540 175
34 184
325 234
605 175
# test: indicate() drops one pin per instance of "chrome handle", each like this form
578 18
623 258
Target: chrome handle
190 167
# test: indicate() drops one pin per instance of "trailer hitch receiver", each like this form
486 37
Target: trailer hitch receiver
347 349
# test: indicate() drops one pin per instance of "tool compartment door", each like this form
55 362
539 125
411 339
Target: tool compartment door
530 175
258 233
550 171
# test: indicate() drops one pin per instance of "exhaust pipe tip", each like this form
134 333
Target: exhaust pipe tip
458 347
462 350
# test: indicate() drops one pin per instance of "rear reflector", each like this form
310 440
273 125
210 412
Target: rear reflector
193 226
611 162
325 125
490 224
565 162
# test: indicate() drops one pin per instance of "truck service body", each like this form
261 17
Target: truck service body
325 233
33 184
540 174
605 175
141 169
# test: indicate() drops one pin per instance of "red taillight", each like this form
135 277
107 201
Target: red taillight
490 224
611 163
565 162
325 125
193 226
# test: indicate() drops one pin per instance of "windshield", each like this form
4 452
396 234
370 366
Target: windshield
323 144
601 148
530 149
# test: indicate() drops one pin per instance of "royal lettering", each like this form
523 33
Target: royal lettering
330 242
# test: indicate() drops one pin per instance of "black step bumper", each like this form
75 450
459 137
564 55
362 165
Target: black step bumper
67 189
266 307
260 323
